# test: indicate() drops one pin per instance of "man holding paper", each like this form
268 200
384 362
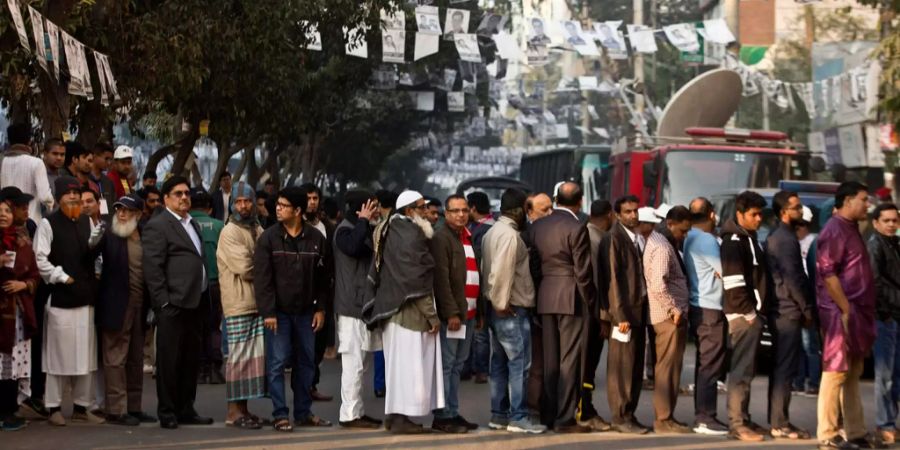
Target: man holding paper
667 295
456 288
626 306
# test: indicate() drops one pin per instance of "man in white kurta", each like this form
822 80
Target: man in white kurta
404 307
63 246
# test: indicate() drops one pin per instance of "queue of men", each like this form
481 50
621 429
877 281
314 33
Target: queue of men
258 297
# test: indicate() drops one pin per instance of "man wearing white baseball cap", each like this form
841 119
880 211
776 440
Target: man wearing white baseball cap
121 169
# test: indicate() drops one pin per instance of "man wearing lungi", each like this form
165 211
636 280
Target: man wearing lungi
245 368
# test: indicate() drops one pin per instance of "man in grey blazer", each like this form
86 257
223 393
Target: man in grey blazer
176 280
565 296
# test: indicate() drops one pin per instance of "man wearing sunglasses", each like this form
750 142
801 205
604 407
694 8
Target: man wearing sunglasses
176 280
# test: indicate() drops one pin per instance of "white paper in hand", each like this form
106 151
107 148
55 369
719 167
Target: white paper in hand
12 260
458 334
620 336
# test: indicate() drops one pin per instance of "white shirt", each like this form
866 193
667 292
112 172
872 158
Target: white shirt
226 200
195 238
43 238
321 227
559 208
29 174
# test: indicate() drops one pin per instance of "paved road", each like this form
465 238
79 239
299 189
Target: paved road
475 406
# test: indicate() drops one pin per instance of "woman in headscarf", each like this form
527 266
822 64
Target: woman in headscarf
18 281
245 368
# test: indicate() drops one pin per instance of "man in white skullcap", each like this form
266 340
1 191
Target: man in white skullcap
404 308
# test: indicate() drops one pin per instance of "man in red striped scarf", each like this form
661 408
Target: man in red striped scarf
456 289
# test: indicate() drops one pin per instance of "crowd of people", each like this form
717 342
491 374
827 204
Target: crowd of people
103 281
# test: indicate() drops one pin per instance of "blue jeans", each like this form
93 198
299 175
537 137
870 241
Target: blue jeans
295 342
379 370
887 373
454 353
510 361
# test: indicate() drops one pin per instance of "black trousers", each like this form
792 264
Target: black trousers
9 392
535 394
211 346
593 343
562 365
710 329
743 340
624 374
38 377
178 347
324 339
786 335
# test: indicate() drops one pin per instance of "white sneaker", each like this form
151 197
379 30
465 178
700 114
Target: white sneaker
525 426
711 429
498 423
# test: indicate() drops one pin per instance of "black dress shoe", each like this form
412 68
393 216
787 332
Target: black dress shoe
169 423
195 420
360 423
448 426
122 419
142 416
401 424
460 420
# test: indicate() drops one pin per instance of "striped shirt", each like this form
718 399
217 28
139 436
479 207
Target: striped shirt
472 280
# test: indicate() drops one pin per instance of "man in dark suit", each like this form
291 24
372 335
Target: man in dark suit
221 199
626 307
176 281
565 296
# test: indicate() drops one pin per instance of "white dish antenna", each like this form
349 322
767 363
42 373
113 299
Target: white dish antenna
708 100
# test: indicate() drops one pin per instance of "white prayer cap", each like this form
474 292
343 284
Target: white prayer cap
807 214
407 198
662 211
648 215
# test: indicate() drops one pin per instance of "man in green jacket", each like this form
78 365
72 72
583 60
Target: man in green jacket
210 229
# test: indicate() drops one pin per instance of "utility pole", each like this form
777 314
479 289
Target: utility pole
639 60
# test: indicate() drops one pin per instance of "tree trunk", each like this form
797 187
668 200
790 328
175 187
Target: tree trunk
185 150
253 174
243 164
92 123
226 152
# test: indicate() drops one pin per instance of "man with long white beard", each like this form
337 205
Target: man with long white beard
403 274
64 249
120 307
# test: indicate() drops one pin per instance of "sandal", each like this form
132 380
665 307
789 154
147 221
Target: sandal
790 432
312 421
263 422
283 425
244 422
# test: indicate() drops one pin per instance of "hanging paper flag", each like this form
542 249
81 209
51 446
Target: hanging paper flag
507 48
37 29
683 36
576 38
611 39
467 46
426 45
491 24
101 75
54 54
592 110
70 46
16 14
393 20
355 42
83 71
642 40
457 22
427 19
313 37
448 80
456 101
716 30
110 80
424 101
393 45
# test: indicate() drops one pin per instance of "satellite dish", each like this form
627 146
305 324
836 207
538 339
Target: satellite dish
708 100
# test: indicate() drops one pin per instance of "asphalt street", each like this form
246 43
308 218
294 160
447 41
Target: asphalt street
474 405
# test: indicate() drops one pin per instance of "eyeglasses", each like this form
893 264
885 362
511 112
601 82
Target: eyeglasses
179 194
283 205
